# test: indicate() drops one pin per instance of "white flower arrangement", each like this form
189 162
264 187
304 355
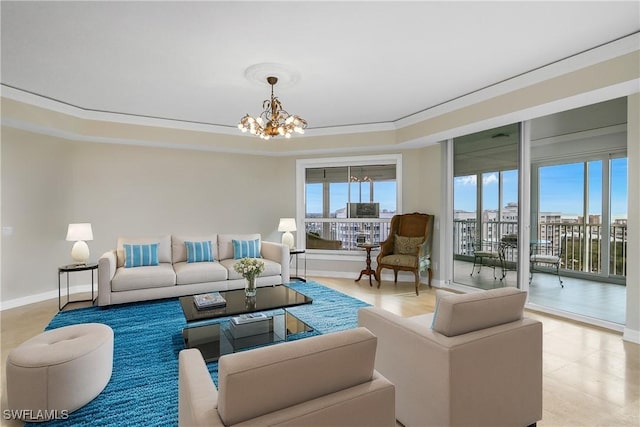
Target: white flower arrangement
249 268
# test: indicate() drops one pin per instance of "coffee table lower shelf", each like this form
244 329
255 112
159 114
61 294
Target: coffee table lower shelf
214 340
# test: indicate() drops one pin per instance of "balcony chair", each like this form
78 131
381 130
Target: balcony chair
408 246
535 257
484 257
508 242
545 260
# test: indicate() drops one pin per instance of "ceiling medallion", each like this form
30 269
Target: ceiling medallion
274 120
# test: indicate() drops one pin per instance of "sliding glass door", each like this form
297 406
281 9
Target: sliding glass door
551 188
485 207
579 208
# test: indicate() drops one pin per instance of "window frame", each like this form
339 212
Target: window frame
585 158
354 161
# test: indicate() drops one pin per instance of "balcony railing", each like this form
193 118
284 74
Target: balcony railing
350 231
578 245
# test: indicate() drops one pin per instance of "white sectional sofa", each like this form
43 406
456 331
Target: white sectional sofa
174 276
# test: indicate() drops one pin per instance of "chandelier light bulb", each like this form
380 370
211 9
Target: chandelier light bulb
278 121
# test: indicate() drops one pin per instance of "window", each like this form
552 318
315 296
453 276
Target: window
347 201
577 225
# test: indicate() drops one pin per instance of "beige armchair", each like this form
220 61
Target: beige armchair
476 361
326 380
408 246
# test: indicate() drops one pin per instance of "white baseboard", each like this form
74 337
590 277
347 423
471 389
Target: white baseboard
31 299
631 335
577 317
402 276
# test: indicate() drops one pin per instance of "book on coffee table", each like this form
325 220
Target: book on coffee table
209 300
249 318
248 329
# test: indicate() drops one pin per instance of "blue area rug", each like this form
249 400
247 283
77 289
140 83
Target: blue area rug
143 389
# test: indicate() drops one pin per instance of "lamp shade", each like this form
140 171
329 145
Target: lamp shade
81 231
287 224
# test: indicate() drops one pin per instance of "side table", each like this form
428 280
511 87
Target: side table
72 268
295 252
368 270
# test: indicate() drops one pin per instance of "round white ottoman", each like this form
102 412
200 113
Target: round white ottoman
59 371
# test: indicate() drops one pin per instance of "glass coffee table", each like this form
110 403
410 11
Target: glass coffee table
216 339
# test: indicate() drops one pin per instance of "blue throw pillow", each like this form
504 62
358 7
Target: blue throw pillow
199 251
246 249
140 255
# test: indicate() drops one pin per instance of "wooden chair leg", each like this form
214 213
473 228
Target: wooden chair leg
395 276
431 275
378 276
417 282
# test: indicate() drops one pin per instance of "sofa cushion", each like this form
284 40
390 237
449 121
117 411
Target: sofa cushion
406 245
140 255
199 251
246 248
164 247
271 268
179 249
158 276
260 381
199 272
400 260
457 314
225 243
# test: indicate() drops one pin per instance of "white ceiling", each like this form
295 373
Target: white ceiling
355 62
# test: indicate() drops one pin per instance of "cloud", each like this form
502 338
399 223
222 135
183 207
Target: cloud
466 180
490 179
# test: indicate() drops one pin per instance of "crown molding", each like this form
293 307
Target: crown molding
72 136
40 101
573 63
581 60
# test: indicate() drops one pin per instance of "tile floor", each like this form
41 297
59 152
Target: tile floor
591 376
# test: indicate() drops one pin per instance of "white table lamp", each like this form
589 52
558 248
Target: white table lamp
80 233
287 225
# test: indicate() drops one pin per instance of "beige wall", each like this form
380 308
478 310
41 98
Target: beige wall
36 204
632 327
141 191
123 190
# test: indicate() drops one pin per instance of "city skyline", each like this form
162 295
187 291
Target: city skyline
560 188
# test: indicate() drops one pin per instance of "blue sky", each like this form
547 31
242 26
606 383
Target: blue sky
384 192
561 189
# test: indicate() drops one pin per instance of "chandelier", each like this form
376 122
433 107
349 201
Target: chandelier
274 120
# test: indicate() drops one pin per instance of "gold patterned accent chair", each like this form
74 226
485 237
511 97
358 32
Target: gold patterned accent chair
408 247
